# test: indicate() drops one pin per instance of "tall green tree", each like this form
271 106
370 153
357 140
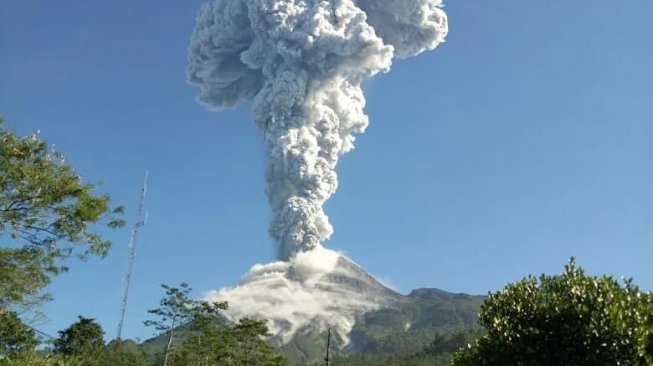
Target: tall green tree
250 348
206 338
125 353
568 319
82 342
15 337
209 339
213 342
47 214
175 309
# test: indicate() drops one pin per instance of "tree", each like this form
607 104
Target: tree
15 337
250 348
444 345
207 338
176 309
83 341
568 319
125 353
215 343
48 214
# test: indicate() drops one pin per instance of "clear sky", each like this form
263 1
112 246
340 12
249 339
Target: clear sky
525 139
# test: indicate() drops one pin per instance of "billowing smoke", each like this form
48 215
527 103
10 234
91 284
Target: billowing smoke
315 290
301 63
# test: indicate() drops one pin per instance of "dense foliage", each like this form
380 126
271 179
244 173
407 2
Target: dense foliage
207 338
125 353
438 352
214 343
47 214
403 329
81 344
568 319
83 337
15 337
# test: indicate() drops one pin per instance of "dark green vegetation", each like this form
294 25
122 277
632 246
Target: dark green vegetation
82 342
203 337
436 352
15 337
403 329
569 319
411 325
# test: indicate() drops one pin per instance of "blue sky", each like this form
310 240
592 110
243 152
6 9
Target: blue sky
525 139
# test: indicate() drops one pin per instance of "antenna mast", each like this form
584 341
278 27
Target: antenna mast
328 345
140 222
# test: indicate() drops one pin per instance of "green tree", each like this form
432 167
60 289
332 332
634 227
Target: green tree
175 309
125 353
47 213
15 337
217 343
206 338
568 319
82 342
250 348
444 345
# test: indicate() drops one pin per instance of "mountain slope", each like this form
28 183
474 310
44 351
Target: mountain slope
404 327
301 300
390 323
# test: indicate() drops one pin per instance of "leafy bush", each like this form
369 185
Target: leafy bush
569 319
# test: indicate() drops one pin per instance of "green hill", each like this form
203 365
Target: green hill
405 328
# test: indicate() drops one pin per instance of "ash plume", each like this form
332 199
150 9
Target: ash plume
301 64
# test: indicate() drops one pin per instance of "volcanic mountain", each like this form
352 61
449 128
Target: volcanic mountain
315 290
323 289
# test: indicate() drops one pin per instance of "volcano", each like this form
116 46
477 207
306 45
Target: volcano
315 290
323 289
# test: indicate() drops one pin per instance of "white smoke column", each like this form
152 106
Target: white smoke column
302 62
